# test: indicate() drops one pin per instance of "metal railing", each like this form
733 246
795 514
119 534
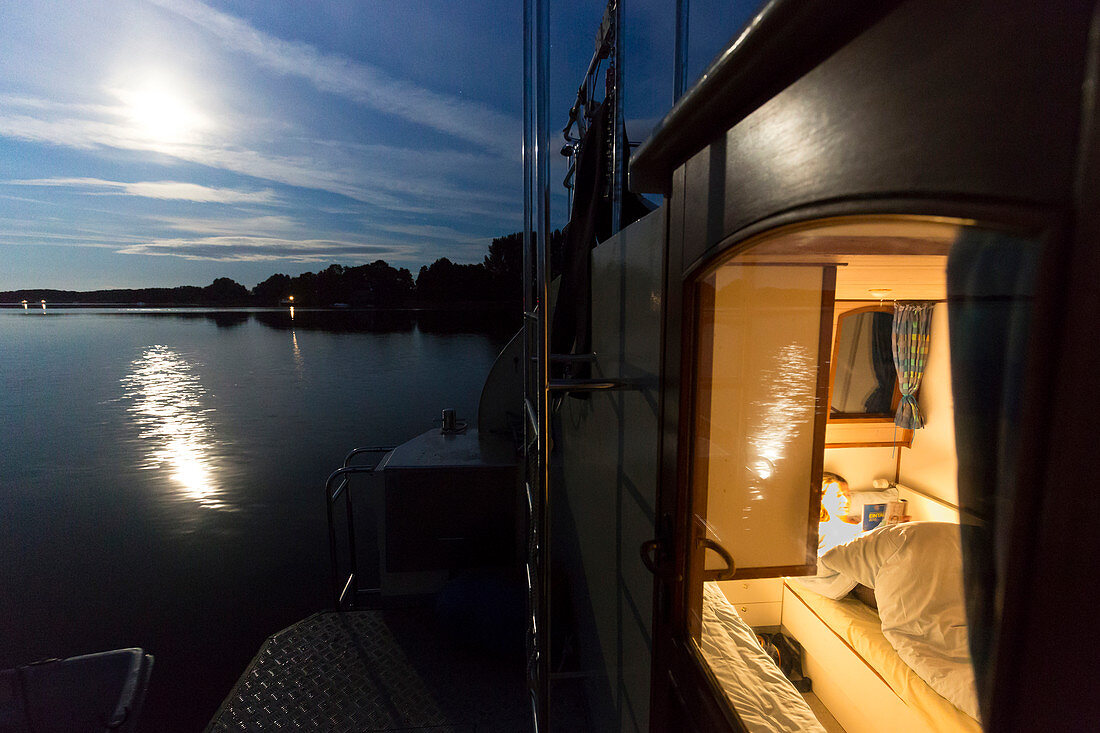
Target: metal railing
607 48
536 303
345 590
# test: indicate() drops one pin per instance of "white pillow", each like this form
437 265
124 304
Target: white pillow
829 581
916 571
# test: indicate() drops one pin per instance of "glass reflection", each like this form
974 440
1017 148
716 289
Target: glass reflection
787 407
167 406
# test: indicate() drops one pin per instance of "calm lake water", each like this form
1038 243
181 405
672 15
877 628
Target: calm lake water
161 474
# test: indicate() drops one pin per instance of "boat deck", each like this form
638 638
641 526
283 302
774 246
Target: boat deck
377 670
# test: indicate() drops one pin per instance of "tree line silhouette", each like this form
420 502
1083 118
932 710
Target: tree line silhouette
495 282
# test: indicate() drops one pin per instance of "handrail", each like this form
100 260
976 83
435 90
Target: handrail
340 590
922 493
372 449
785 40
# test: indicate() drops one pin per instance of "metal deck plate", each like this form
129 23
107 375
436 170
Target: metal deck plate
384 670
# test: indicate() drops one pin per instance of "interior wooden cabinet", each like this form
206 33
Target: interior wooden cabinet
763 335
765 322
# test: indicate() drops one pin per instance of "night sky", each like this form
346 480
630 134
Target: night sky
168 142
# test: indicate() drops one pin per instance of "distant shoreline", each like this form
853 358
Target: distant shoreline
467 306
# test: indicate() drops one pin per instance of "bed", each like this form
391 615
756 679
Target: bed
764 699
907 662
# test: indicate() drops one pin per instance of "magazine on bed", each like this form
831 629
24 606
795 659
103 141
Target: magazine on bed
890 512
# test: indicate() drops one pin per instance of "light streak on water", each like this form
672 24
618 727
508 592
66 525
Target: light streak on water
299 363
174 427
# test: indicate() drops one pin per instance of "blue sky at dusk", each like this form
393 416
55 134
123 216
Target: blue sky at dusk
168 142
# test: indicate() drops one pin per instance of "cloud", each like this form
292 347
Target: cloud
256 249
250 225
382 176
364 84
27 237
442 194
430 231
168 190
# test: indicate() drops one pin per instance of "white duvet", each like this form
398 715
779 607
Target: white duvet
765 700
916 571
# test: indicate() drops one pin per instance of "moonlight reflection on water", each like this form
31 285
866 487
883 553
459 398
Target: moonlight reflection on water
162 473
166 405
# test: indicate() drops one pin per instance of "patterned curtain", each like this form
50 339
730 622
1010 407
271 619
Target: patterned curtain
912 322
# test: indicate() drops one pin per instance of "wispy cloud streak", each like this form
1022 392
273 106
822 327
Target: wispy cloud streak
361 83
169 190
250 249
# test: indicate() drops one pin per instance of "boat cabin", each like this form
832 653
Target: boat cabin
820 461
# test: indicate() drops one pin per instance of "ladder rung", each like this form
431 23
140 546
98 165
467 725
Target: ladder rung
584 385
572 357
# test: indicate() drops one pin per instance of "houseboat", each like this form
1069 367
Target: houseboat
805 447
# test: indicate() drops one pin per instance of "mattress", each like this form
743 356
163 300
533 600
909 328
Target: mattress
764 699
859 627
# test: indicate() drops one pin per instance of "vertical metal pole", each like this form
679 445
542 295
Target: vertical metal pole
542 191
351 542
528 166
618 152
679 69
332 550
536 272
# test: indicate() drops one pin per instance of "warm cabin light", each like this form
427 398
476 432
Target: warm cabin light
880 293
292 299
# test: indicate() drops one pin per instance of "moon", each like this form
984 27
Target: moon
160 114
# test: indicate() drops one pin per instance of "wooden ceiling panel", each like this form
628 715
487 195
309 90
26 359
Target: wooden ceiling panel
907 277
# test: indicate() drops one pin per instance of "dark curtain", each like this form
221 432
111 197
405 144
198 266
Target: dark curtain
882 361
589 224
990 278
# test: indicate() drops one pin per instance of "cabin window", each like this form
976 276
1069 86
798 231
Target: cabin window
793 392
864 382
